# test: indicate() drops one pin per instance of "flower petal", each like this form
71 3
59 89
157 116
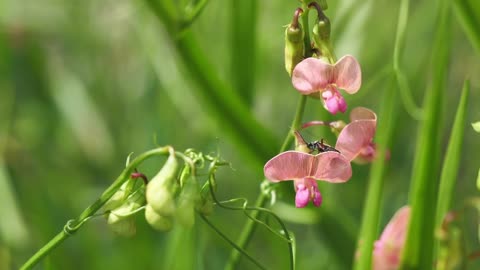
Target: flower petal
312 75
348 75
362 113
289 165
387 250
331 167
354 137
397 227
302 197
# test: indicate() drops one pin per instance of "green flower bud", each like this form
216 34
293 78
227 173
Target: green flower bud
120 219
337 126
300 144
294 44
159 189
157 221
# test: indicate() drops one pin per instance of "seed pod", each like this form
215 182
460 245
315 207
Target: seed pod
159 189
294 44
157 221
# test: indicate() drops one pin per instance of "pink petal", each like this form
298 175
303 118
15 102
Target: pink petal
289 165
331 167
387 250
361 113
312 75
348 75
354 137
334 101
317 197
396 229
302 197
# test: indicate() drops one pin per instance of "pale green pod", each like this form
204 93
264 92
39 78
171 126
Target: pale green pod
157 221
159 189
294 47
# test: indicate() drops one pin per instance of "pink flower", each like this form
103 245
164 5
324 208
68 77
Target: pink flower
355 140
304 169
317 78
388 249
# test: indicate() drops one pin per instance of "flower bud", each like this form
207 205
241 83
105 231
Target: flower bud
118 198
294 45
120 219
159 189
337 126
300 144
157 221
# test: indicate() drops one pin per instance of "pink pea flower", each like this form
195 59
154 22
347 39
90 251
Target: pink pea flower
355 140
388 249
304 169
319 79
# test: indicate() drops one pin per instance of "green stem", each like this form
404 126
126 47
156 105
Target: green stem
371 209
418 250
249 226
74 225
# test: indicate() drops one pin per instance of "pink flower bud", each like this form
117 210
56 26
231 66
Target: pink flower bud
388 249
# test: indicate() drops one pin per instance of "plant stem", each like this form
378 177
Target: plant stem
73 225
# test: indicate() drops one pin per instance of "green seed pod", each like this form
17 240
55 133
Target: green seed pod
294 47
159 189
321 31
157 221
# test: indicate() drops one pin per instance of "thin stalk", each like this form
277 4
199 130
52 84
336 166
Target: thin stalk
73 225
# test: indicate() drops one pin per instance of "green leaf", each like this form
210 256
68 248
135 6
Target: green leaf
452 159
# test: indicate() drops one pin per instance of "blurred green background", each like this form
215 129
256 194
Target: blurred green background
84 83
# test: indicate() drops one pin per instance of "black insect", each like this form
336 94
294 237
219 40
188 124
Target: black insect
320 146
